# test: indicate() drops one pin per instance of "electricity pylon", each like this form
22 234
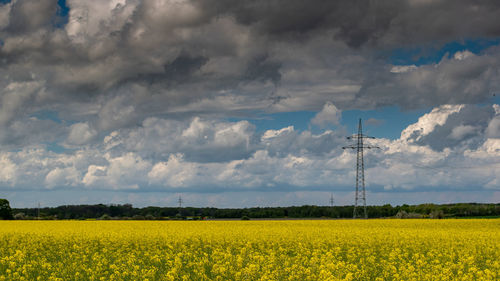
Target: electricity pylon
360 168
180 201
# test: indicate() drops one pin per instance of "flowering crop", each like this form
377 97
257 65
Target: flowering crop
250 250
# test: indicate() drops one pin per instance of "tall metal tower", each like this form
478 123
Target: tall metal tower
360 169
180 201
331 200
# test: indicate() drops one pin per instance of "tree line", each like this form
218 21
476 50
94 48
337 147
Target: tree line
127 211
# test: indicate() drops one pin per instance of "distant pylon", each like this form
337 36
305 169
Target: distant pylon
180 201
360 193
331 200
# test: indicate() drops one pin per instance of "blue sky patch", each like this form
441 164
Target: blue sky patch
54 147
47 115
427 55
62 13
300 120
387 122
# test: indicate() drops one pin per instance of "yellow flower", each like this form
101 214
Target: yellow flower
255 250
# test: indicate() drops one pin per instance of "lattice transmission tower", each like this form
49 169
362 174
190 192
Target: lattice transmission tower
360 169
180 201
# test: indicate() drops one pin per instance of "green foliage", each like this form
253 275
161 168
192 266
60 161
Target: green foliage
436 214
307 211
105 217
19 216
402 214
5 210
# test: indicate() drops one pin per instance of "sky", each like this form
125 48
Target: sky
248 103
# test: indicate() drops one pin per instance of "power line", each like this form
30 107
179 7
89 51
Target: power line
360 193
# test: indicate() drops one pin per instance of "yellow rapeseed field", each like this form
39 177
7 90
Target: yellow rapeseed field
251 250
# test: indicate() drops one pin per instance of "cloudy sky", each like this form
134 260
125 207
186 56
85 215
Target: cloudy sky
247 103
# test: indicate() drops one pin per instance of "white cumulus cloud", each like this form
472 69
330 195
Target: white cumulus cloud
329 115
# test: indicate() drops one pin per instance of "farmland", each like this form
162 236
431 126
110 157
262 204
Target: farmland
467 249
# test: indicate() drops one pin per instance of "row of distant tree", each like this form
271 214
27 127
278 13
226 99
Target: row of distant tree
127 211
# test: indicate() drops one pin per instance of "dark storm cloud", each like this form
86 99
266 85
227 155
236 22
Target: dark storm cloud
358 21
28 16
113 64
178 71
463 78
260 68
